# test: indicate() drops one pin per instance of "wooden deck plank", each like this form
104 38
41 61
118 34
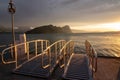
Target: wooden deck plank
78 68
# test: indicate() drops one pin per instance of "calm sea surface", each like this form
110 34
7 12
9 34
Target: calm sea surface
106 44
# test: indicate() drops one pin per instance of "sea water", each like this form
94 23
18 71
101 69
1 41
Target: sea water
105 44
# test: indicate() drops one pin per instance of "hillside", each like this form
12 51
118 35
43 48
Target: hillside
50 29
3 29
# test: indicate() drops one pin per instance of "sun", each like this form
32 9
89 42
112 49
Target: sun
116 26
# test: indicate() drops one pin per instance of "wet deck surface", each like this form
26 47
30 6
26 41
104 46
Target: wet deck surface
77 68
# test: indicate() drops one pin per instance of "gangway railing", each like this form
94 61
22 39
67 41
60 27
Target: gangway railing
92 54
65 53
50 56
20 53
1 47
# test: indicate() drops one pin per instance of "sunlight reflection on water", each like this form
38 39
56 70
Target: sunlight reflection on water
106 44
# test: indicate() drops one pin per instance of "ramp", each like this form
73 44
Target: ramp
42 65
33 68
77 68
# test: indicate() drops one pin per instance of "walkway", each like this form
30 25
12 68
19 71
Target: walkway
34 68
77 68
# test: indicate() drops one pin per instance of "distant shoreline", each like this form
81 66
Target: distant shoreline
69 33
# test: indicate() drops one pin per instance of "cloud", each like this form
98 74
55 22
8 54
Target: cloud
103 7
68 2
37 12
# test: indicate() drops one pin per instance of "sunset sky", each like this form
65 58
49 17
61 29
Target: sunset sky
86 15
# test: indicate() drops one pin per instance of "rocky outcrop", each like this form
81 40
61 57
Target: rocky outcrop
50 29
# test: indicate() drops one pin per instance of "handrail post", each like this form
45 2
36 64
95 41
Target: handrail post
15 47
41 46
95 59
36 48
96 64
49 51
46 44
55 53
64 57
42 59
73 46
92 56
70 50
28 50
60 45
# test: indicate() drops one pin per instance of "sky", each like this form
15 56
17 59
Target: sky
86 15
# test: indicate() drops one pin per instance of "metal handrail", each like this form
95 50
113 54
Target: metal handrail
52 53
27 47
65 53
92 54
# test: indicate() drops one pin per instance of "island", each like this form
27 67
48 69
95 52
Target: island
49 29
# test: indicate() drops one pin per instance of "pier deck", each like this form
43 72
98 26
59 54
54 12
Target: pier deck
108 69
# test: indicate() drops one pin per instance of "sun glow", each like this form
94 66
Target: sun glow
112 26
99 27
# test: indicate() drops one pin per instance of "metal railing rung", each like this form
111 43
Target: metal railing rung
62 65
46 66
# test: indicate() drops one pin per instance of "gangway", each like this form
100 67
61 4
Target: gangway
79 66
40 65
42 61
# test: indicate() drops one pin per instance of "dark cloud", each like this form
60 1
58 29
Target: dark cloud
68 2
37 12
